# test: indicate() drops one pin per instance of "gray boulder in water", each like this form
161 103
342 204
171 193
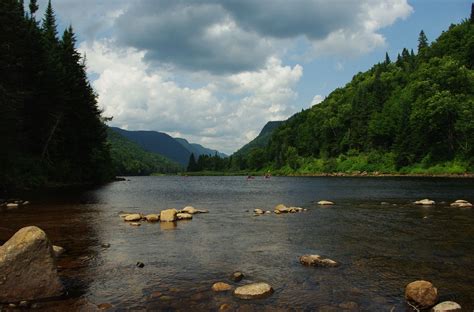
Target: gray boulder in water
28 267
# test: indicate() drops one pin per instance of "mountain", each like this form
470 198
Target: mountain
128 158
198 149
410 115
261 140
176 149
159 143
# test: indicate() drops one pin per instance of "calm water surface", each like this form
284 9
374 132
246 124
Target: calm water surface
381 247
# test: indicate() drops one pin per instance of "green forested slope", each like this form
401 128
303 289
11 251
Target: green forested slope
128 158
415 114
50 126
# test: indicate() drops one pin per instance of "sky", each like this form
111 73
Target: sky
215 72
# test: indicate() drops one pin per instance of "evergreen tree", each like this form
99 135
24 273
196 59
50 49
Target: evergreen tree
33 7
472 13
387 59
422 41
192 165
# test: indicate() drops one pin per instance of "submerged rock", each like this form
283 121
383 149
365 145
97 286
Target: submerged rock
447 306
168 215
460 203
184 216
325 202
220 286
153 217
237 276
317 260
253 291
258 211
135 223
133 217
58 250
422 294
425 201
28 267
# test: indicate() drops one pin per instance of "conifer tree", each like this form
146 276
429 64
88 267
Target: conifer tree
33 7
472 13
192 165
422 41
387 59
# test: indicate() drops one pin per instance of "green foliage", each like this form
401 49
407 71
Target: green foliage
411 115
129 159
49 119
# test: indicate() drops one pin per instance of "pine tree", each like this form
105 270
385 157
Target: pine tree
192 165
472 13
387 59
422 41
33 7
49 24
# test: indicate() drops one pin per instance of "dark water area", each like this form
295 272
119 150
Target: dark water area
381 247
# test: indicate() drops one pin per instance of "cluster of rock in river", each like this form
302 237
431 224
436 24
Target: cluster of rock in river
28 269
167 215
13 204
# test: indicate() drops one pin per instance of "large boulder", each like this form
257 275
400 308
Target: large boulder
422 294
168 215
28 267
317 260
447 306
253 291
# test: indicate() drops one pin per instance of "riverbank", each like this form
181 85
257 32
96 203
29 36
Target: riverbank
327 174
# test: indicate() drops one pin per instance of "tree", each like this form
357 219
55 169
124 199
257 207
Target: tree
472 13
422 42
33 7
192 165
387 59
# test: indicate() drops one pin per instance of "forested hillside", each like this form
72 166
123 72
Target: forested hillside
411 115
128 158
50 126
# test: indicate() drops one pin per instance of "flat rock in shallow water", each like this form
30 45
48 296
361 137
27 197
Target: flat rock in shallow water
460 203
184 216
220 286
253 291
152 217
317 260
192 210
325 203
281 209
58 250
237 276
133 217
425 202
447 306
28 267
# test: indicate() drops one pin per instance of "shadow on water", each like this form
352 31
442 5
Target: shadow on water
381 247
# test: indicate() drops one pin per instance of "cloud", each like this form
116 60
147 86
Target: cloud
139 97
225 37
317 99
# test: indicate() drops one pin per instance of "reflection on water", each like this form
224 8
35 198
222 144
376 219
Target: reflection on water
381 247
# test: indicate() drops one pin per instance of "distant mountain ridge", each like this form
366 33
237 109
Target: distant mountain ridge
198 149
262 139
175 149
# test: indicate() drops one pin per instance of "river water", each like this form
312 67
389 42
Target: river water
382 247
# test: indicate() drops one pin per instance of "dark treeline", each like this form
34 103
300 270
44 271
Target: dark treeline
50 126
407 115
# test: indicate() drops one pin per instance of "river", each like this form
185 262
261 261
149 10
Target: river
382 247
